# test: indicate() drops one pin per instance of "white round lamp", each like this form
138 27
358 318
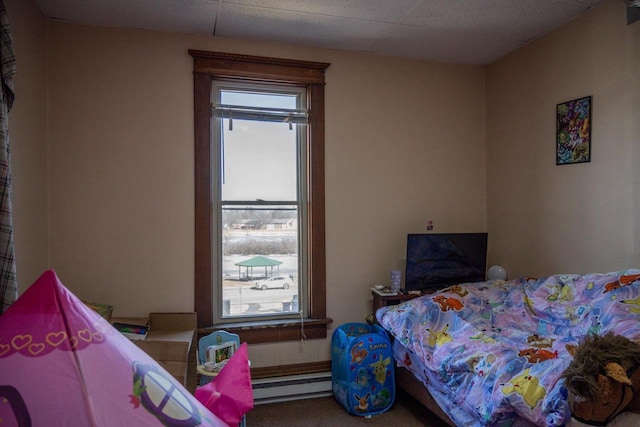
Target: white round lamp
496 272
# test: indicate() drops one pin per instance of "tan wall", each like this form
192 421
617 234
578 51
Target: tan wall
405 144
544 218
28 139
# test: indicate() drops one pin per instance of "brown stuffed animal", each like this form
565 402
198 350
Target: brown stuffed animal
603 379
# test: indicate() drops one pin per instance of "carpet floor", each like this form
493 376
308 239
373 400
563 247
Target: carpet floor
327 412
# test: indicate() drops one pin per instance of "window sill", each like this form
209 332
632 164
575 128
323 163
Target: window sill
273 330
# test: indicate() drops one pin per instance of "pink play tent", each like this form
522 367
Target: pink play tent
62 364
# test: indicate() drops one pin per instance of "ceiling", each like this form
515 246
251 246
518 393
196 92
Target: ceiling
458 31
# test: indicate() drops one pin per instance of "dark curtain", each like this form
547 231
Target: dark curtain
8 282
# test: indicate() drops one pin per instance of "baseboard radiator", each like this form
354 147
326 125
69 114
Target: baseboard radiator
291 387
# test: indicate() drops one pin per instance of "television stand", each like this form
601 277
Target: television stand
381 300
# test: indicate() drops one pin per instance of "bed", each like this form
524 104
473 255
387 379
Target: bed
492 353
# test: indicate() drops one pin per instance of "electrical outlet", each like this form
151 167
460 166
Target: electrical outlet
430 225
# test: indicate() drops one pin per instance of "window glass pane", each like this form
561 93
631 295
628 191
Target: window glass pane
258 99
258 202
259 260
259 158
259 161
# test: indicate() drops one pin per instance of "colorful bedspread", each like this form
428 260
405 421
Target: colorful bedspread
492 353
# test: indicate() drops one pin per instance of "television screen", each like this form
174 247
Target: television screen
435 261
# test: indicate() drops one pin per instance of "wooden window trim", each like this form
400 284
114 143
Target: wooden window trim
210 65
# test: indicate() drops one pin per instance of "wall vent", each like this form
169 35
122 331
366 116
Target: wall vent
292 387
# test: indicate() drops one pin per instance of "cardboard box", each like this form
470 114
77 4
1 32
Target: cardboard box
170 340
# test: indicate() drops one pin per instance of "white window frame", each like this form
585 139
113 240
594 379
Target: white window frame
302 167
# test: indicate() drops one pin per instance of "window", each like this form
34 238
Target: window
259 145
259 194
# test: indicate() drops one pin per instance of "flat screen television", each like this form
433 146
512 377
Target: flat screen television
436 260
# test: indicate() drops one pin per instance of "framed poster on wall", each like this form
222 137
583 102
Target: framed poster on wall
573 131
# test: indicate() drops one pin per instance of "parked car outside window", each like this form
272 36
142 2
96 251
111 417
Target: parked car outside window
273 282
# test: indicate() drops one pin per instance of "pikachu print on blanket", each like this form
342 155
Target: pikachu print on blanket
527 386
439 338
